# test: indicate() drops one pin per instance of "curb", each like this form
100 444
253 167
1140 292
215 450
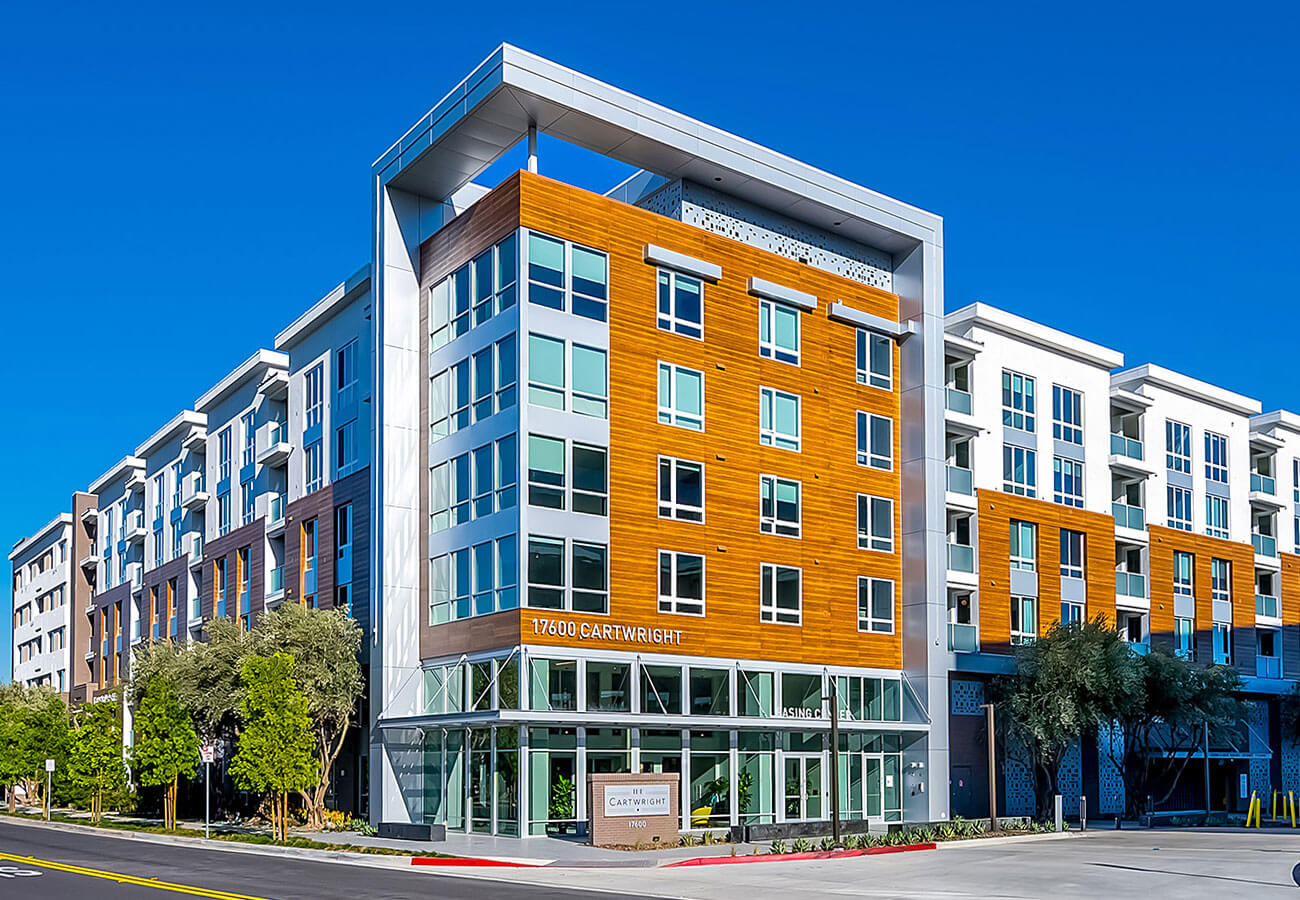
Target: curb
794 857
472 862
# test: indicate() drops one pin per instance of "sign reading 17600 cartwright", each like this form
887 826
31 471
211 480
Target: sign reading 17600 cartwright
607 631
637 800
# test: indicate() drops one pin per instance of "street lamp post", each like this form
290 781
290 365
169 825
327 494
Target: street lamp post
833 698
993 770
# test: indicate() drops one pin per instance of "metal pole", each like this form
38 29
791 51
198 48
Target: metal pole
532 147
207 795
835 760
48 798
993 770
1205 738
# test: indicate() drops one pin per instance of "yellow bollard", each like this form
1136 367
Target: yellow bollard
1275 807
1291 797
1250 809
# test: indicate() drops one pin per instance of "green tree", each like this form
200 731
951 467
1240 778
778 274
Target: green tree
205 676
1067 683
96 764
275 746
166 745
33 728
325 646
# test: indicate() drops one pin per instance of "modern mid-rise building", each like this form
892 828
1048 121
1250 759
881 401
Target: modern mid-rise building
41 593
647 477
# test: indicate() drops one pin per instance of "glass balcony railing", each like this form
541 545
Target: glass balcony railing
1268 666
1125 446
1129 516
1263 484
1266 606
958 401
963 637
1130 584
157 631
277 579
117 643
1265 544
245 603
1139 648
961 558
221 606
277 508
104 649
959 480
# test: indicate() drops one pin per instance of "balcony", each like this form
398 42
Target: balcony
197 439
957 401
274 448
1266 606
275 514
963 637
275 585
134 527
89 562
194 493
1128 447
1265 545
1131 584
960 481
1262 484
135 480
275 384
219 608
1268 666
1129 516
961 558
90 517
1138 648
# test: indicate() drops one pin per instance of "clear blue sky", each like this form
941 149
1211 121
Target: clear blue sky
176 184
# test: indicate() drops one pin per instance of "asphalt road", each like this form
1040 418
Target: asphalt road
57 865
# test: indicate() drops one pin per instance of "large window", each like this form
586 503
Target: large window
681 583
1067 482
1024 619
1180 507
1216 516
681 489
249 434
1024 546
223 454
1071 553
780 509
567 276
1221 580
571 575
778 419
1183 563
681 396
875 359
587 393
875 523
1067 415
781 599
474 581
876 605
1017 401
548 484
475 388
1216 457
681 303
313 472
778 332
483 288
473 485
1178 447
875 441
1019 471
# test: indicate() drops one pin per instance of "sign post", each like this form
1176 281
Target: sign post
49 772
207 753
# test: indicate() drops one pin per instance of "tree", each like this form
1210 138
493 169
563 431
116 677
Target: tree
166 745
325 646
96 760
275 745
33 728
204 676
1067 683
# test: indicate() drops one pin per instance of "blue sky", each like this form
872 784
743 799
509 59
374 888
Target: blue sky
176 186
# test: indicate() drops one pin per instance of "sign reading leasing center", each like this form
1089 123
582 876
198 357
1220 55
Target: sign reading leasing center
637 800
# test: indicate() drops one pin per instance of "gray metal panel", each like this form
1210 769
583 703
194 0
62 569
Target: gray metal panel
1217 489
1185 607
851 316
1019 438
661 256
1178 479
1067 450
1222 611
1074 590
770 290
1024 584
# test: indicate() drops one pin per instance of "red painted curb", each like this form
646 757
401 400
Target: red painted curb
467 861
792 857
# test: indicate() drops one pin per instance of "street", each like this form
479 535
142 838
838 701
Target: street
44 864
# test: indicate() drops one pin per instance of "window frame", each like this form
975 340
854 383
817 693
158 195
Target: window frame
666 280
867 539
769 347
672 604
772 524
1016 556
868 623
1029 465
866 455
1069 567
770 436
1175 433
1061 479
1177 497
669 414
1216 457
772 614
866 340
1213 527
673 505
1067 417
1023 417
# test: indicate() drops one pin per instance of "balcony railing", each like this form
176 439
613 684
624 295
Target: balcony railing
245 603
963 637
1130 584
959 480
1263 484
171 626
221 605
957 400
277 579
1266 606
1125 446
1129 516
1265 544
277 508
961 558
1268 666
1138 648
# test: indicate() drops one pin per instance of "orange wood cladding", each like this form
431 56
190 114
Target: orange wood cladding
1167 541
729 537
1289 610
996 512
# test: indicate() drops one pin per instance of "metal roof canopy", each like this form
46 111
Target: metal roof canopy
492 109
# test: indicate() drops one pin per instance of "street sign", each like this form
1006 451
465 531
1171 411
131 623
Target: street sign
49 765
208 753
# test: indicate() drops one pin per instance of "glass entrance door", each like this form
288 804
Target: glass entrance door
803 787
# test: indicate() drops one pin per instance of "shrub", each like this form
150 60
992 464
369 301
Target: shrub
686 840
802 845
826 844
778 846
852 842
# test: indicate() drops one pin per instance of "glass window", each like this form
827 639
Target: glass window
439 319
681 397
1024 619
1024 546
778 332
545 471
1222 644
1017 401
875 441
1067 482
800 693
1019 471
756 692
507 367
506 477
546 276
1216 457
484 389
590 566
875 523
876 605
590 283
553 684
546 371
1180 507
778 419
1216 516
590 480
781 599
590 386
545 573
779 506
1183 563
1220 579
460 395
1067 415
1178 446
681 489
681 303
875 359
608 686
507 273
681 583
710 692
661 690
1071 553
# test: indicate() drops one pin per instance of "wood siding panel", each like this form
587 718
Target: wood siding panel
1289 601
1164 543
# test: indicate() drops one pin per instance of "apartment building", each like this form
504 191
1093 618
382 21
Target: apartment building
41 592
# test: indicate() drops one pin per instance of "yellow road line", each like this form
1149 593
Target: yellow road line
128 879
